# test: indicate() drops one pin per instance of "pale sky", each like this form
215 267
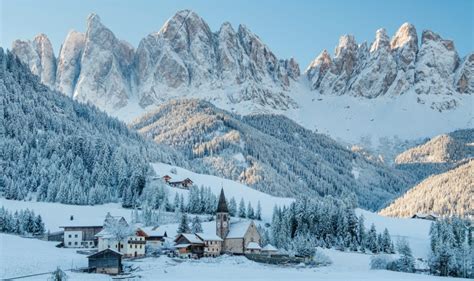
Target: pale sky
299 29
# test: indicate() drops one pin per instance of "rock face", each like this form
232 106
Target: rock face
392 67
464 79
185 54
183 58
39 56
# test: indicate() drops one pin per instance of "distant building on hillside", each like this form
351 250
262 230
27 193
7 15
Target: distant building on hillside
80 233
184 184
431 217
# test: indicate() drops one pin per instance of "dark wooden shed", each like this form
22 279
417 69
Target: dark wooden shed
107 261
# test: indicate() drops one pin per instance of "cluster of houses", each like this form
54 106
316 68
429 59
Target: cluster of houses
229 237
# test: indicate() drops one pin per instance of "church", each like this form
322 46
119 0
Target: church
239 237
231 237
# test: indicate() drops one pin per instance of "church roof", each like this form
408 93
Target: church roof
238 230
222 206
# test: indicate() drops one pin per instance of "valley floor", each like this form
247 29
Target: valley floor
23 256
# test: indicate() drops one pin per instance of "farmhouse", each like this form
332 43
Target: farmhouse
189 245
107 261
120 239
431 217
154 236
212 244
184 184
80 233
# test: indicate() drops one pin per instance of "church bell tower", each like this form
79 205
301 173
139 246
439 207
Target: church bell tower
222 217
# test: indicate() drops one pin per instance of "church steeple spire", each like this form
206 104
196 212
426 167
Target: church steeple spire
222 217
222 206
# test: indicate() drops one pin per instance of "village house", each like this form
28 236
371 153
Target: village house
212 244
166 178
155 237
130 246
183 184
107 261
80 233
189 246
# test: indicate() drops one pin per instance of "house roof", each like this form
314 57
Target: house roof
209 236
153 231
106 250
238 230
222 205
104 234
253 246
84 222
192 238
269 247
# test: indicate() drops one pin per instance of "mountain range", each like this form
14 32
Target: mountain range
235 70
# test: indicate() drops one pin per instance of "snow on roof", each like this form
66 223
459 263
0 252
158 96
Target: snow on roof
104 234
253 246
192 238
209 236
238 229
269 248
84 222
153 231
108 249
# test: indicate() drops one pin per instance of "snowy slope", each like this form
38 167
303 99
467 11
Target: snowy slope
231 189
414 230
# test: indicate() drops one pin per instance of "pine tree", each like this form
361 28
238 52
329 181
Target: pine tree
196 226
372 244
232 207
258 214
406 262
250 212
184 225
242 213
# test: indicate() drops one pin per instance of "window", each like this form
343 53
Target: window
75 243
75 235
70 236
121 246
69 243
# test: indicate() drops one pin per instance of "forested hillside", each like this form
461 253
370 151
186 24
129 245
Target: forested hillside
270 153
438 154
56 149
447 194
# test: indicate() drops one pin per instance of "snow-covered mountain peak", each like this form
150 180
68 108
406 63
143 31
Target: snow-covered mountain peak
381 40
405 35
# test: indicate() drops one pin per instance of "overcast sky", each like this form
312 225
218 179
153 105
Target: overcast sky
300 29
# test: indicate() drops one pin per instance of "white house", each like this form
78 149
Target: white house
80 232
131 245
155 237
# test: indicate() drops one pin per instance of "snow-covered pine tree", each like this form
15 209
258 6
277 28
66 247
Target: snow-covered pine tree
242 213
250 212
232 207
196 226
184 225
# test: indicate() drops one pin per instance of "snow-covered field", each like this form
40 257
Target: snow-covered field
22 256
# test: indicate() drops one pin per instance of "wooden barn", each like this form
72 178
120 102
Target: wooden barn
184 184
107 261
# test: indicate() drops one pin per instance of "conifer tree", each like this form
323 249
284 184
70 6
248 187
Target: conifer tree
183 225
242 213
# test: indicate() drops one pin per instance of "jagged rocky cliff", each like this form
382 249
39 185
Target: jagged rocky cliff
183 57
392 66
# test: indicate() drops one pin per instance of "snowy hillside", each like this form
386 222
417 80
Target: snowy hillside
270 153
